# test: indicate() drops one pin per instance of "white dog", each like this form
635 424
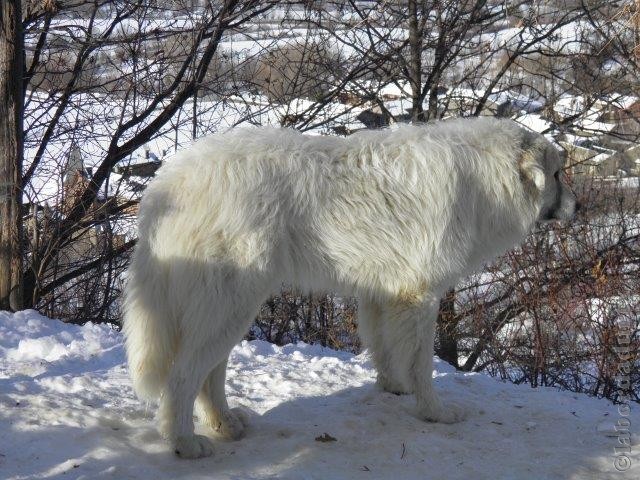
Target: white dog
392 217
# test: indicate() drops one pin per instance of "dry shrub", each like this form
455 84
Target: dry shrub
291 317
551 312
296 70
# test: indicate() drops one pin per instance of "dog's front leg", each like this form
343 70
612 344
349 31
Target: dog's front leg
430 406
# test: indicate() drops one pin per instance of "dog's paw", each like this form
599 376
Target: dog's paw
392 386
193 446
231 425
451 413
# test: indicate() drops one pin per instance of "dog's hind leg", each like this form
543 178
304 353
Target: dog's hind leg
209 329
212 403
175 415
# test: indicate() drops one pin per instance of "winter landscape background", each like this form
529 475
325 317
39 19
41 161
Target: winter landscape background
111 89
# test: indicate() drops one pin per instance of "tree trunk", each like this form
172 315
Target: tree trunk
415 63
11 151
447 344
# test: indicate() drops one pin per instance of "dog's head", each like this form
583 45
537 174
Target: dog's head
540 167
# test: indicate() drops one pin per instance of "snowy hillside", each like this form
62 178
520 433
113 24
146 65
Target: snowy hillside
67 411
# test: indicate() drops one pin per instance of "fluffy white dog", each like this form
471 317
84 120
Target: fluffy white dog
392 217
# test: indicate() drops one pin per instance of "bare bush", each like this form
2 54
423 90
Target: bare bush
549 312
297 70
291 317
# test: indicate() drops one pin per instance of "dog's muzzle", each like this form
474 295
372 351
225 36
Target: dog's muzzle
565 209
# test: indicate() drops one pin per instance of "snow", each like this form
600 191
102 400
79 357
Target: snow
620 101
533 122
630 182
396 90
568 38
67 411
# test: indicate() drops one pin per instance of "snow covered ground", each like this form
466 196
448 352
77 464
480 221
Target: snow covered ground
67 411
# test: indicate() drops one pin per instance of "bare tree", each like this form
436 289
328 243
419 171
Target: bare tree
11 148
110 76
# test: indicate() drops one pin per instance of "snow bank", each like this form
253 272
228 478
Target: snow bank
67 411
29 336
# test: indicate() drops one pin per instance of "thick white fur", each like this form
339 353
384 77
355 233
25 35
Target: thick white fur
393 217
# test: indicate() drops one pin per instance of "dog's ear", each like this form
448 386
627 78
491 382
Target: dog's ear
530 163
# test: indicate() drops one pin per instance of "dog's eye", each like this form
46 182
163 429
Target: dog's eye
557 175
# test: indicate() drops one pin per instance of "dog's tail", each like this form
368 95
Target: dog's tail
149 329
